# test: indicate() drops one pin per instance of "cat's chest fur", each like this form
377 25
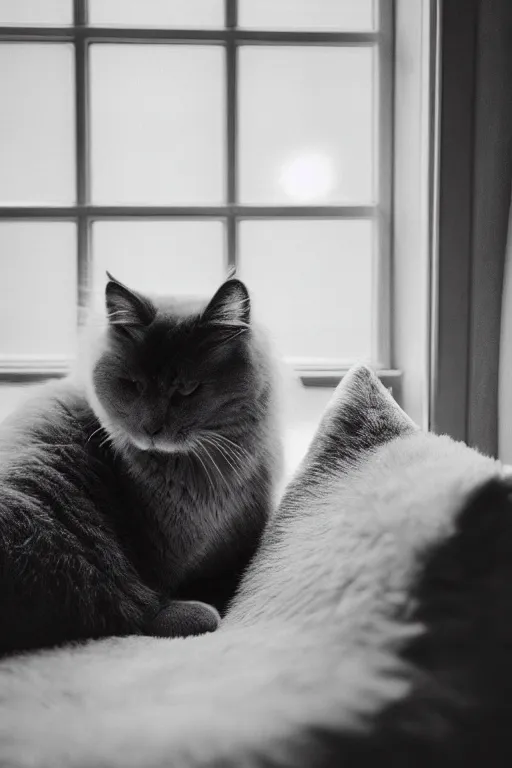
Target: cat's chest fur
186 509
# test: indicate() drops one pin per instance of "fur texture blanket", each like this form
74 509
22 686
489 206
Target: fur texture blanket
372 629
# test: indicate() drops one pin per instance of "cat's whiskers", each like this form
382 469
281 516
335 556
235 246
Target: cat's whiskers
107 439
94 433
228 457
219 471
195 453
211 438
90 422
242 452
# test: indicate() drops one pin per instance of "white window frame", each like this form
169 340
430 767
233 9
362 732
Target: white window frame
231 37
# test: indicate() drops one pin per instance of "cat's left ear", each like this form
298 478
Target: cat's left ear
127 309
231 306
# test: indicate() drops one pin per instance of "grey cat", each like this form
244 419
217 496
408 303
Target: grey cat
132 499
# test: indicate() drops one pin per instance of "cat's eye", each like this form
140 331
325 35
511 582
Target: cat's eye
188 387
130 386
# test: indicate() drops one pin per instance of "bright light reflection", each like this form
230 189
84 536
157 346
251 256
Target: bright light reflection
308 177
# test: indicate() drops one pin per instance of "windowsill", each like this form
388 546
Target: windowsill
32 369
311 378
20 369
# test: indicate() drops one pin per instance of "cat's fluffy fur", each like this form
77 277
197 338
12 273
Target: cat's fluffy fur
340 621
156 484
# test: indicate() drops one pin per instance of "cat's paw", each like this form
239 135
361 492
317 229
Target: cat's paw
182 618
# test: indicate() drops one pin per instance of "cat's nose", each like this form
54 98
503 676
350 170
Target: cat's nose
153 431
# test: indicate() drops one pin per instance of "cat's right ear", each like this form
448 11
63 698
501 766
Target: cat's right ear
127 310
230 307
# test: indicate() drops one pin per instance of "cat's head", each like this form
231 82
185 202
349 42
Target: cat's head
169 371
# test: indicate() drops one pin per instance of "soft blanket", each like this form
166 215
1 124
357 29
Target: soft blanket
373 627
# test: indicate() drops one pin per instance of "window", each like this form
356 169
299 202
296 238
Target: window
167 141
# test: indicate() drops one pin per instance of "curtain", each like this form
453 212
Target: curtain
492 185
474 198
505 381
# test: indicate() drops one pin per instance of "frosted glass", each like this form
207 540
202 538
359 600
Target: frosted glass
38 275
346 15
306 125
157 124
36 12
157 13
160 257
311 283
37 144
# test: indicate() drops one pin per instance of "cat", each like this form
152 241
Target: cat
133 494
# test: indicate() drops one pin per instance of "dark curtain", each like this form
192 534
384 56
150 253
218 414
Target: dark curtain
492 185
475 181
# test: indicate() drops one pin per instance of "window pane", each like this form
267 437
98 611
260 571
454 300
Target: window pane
311 283
306 125
157 124
38 306
346 15
157 13
37 123
162 257
36 12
